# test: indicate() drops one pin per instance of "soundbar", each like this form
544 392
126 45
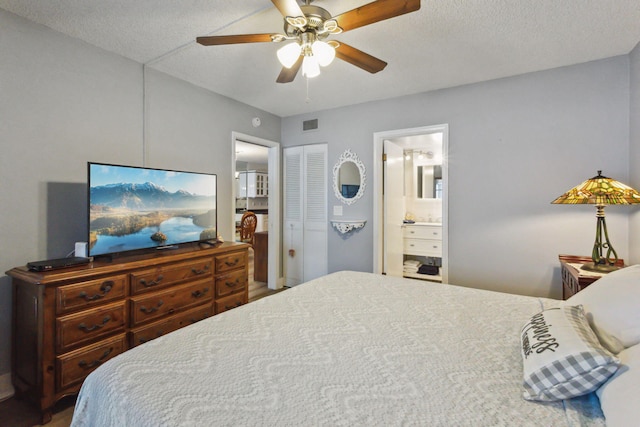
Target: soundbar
53 264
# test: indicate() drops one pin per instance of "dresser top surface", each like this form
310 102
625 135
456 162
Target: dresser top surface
124 262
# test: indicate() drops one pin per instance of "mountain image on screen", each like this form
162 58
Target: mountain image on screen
126 216
145 196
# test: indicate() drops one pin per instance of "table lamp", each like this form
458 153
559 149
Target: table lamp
600 191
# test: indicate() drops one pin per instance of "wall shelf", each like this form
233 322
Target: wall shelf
345 226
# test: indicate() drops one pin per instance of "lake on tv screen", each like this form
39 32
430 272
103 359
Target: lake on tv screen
176 230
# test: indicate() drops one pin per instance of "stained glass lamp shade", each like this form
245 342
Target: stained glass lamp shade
600 191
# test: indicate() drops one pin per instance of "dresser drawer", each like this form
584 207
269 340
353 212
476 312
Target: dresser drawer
432 232
81 328
90 293
167 275
233 301
230 283
72 368
423 247
170 324
231 261
146 308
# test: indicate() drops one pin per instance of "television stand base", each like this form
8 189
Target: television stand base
167 247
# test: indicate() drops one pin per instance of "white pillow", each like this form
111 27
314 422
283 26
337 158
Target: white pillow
612 305
620 395
562 357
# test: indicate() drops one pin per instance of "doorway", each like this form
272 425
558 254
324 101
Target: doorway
411 230
256 177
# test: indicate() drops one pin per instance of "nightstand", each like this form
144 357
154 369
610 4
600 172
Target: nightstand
574 279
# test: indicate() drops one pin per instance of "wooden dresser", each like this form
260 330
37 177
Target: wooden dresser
68 322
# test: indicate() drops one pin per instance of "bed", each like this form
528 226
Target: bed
346 349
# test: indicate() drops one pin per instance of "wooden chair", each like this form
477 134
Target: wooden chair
248 227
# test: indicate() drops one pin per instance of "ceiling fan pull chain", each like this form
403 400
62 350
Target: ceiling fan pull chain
308 100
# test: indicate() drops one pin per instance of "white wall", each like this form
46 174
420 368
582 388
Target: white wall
63 103
634 151
514 145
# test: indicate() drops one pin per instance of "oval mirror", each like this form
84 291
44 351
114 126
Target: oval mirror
348 178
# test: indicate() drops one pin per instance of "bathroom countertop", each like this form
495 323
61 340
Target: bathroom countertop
439 224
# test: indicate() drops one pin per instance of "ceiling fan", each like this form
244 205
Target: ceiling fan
308 26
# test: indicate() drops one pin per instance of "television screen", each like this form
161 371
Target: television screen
134 208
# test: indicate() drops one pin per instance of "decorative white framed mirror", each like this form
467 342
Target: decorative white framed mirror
349 178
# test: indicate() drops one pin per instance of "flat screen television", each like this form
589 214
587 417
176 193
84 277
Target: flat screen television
132 208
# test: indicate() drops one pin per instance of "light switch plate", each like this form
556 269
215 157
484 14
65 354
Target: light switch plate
337 210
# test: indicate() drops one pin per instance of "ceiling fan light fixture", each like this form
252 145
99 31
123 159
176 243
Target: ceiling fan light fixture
288 54
331 26
296 21
324 52
310 67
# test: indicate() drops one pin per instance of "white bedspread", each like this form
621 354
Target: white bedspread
346 349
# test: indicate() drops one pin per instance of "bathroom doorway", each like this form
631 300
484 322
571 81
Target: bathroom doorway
411 203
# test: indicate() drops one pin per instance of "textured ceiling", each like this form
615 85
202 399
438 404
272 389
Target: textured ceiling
446 43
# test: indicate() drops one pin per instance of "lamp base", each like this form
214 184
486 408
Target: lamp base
599 268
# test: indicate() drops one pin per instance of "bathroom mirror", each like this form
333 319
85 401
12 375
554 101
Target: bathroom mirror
429 182
348 178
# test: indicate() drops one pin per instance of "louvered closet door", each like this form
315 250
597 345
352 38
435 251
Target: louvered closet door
292 230
305 213
315 211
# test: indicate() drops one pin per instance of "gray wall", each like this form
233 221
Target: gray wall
64 103
514 145
634 150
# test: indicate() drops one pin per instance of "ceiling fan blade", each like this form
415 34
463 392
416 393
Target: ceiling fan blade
375 12
287 75
359 58
240 38
288 7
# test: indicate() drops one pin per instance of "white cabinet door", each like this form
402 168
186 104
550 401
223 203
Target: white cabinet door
241 191
253 184
305 213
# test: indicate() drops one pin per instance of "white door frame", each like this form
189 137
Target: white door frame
378 150
274 273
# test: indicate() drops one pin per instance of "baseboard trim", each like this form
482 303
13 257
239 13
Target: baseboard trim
6 389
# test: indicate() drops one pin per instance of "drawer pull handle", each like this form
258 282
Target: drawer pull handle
105 288
198 272
153 282
231 264
229 307
83 327
198 293
96 362
232 284
150 310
